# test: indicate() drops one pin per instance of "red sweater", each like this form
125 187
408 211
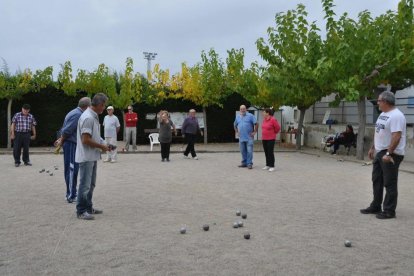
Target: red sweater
131 119
270 128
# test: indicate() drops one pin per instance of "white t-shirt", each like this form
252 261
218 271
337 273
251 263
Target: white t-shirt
387 123
110 124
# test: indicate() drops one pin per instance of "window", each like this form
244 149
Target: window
410 103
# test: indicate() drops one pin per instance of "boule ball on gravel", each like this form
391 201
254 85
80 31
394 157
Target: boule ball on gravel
244 216
206 227
240 223
236 225
183 230
247 235
348 243
238 213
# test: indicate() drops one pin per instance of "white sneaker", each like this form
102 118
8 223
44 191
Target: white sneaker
195 158
113 161
106 160
271 169
186 157
265 168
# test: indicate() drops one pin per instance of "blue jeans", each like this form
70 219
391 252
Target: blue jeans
87 180
246 149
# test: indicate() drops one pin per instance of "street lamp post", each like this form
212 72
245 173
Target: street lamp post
149 56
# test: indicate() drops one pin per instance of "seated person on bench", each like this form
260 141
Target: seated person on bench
345 138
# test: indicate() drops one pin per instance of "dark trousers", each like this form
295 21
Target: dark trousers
385 175
337 143
190 140
268 147
71 169
165 150
21 140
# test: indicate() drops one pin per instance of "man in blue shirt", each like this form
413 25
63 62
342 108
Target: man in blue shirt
245 126
68 140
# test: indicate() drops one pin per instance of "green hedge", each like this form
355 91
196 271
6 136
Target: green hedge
50 107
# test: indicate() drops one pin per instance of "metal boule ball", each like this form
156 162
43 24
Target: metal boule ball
183 230
238 213
47 171
244 216
51 174
240 223
235 225
348 243
247 235
206 227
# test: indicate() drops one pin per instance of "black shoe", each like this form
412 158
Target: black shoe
95 211
168 159
385 215
27 163
16 164
242 166
71 200
370 210
162 160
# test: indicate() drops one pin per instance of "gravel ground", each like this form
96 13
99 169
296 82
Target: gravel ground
298 216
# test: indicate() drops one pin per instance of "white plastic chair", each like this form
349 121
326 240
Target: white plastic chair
154 139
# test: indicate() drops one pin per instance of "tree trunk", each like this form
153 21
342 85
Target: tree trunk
124 131
362 118
9 105
300 127
205 124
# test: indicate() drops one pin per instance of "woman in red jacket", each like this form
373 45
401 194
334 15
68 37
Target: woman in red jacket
270 127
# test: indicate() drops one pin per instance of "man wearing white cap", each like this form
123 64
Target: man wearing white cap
111 126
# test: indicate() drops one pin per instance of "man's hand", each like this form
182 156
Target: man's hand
387 159
253 133
105 148
32 137
12 136
371 153
58 142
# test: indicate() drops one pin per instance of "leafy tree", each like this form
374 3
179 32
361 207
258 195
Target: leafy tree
65 79
13 87
293 51
360 51
203 84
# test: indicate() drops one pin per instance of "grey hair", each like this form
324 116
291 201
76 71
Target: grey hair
98 99
388 97
84 102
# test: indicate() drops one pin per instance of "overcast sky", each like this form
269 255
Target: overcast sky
39 33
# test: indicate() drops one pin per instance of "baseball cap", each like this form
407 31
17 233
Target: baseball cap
110 107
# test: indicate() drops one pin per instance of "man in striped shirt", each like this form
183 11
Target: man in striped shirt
23 129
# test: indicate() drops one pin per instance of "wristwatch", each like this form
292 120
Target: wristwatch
387 154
